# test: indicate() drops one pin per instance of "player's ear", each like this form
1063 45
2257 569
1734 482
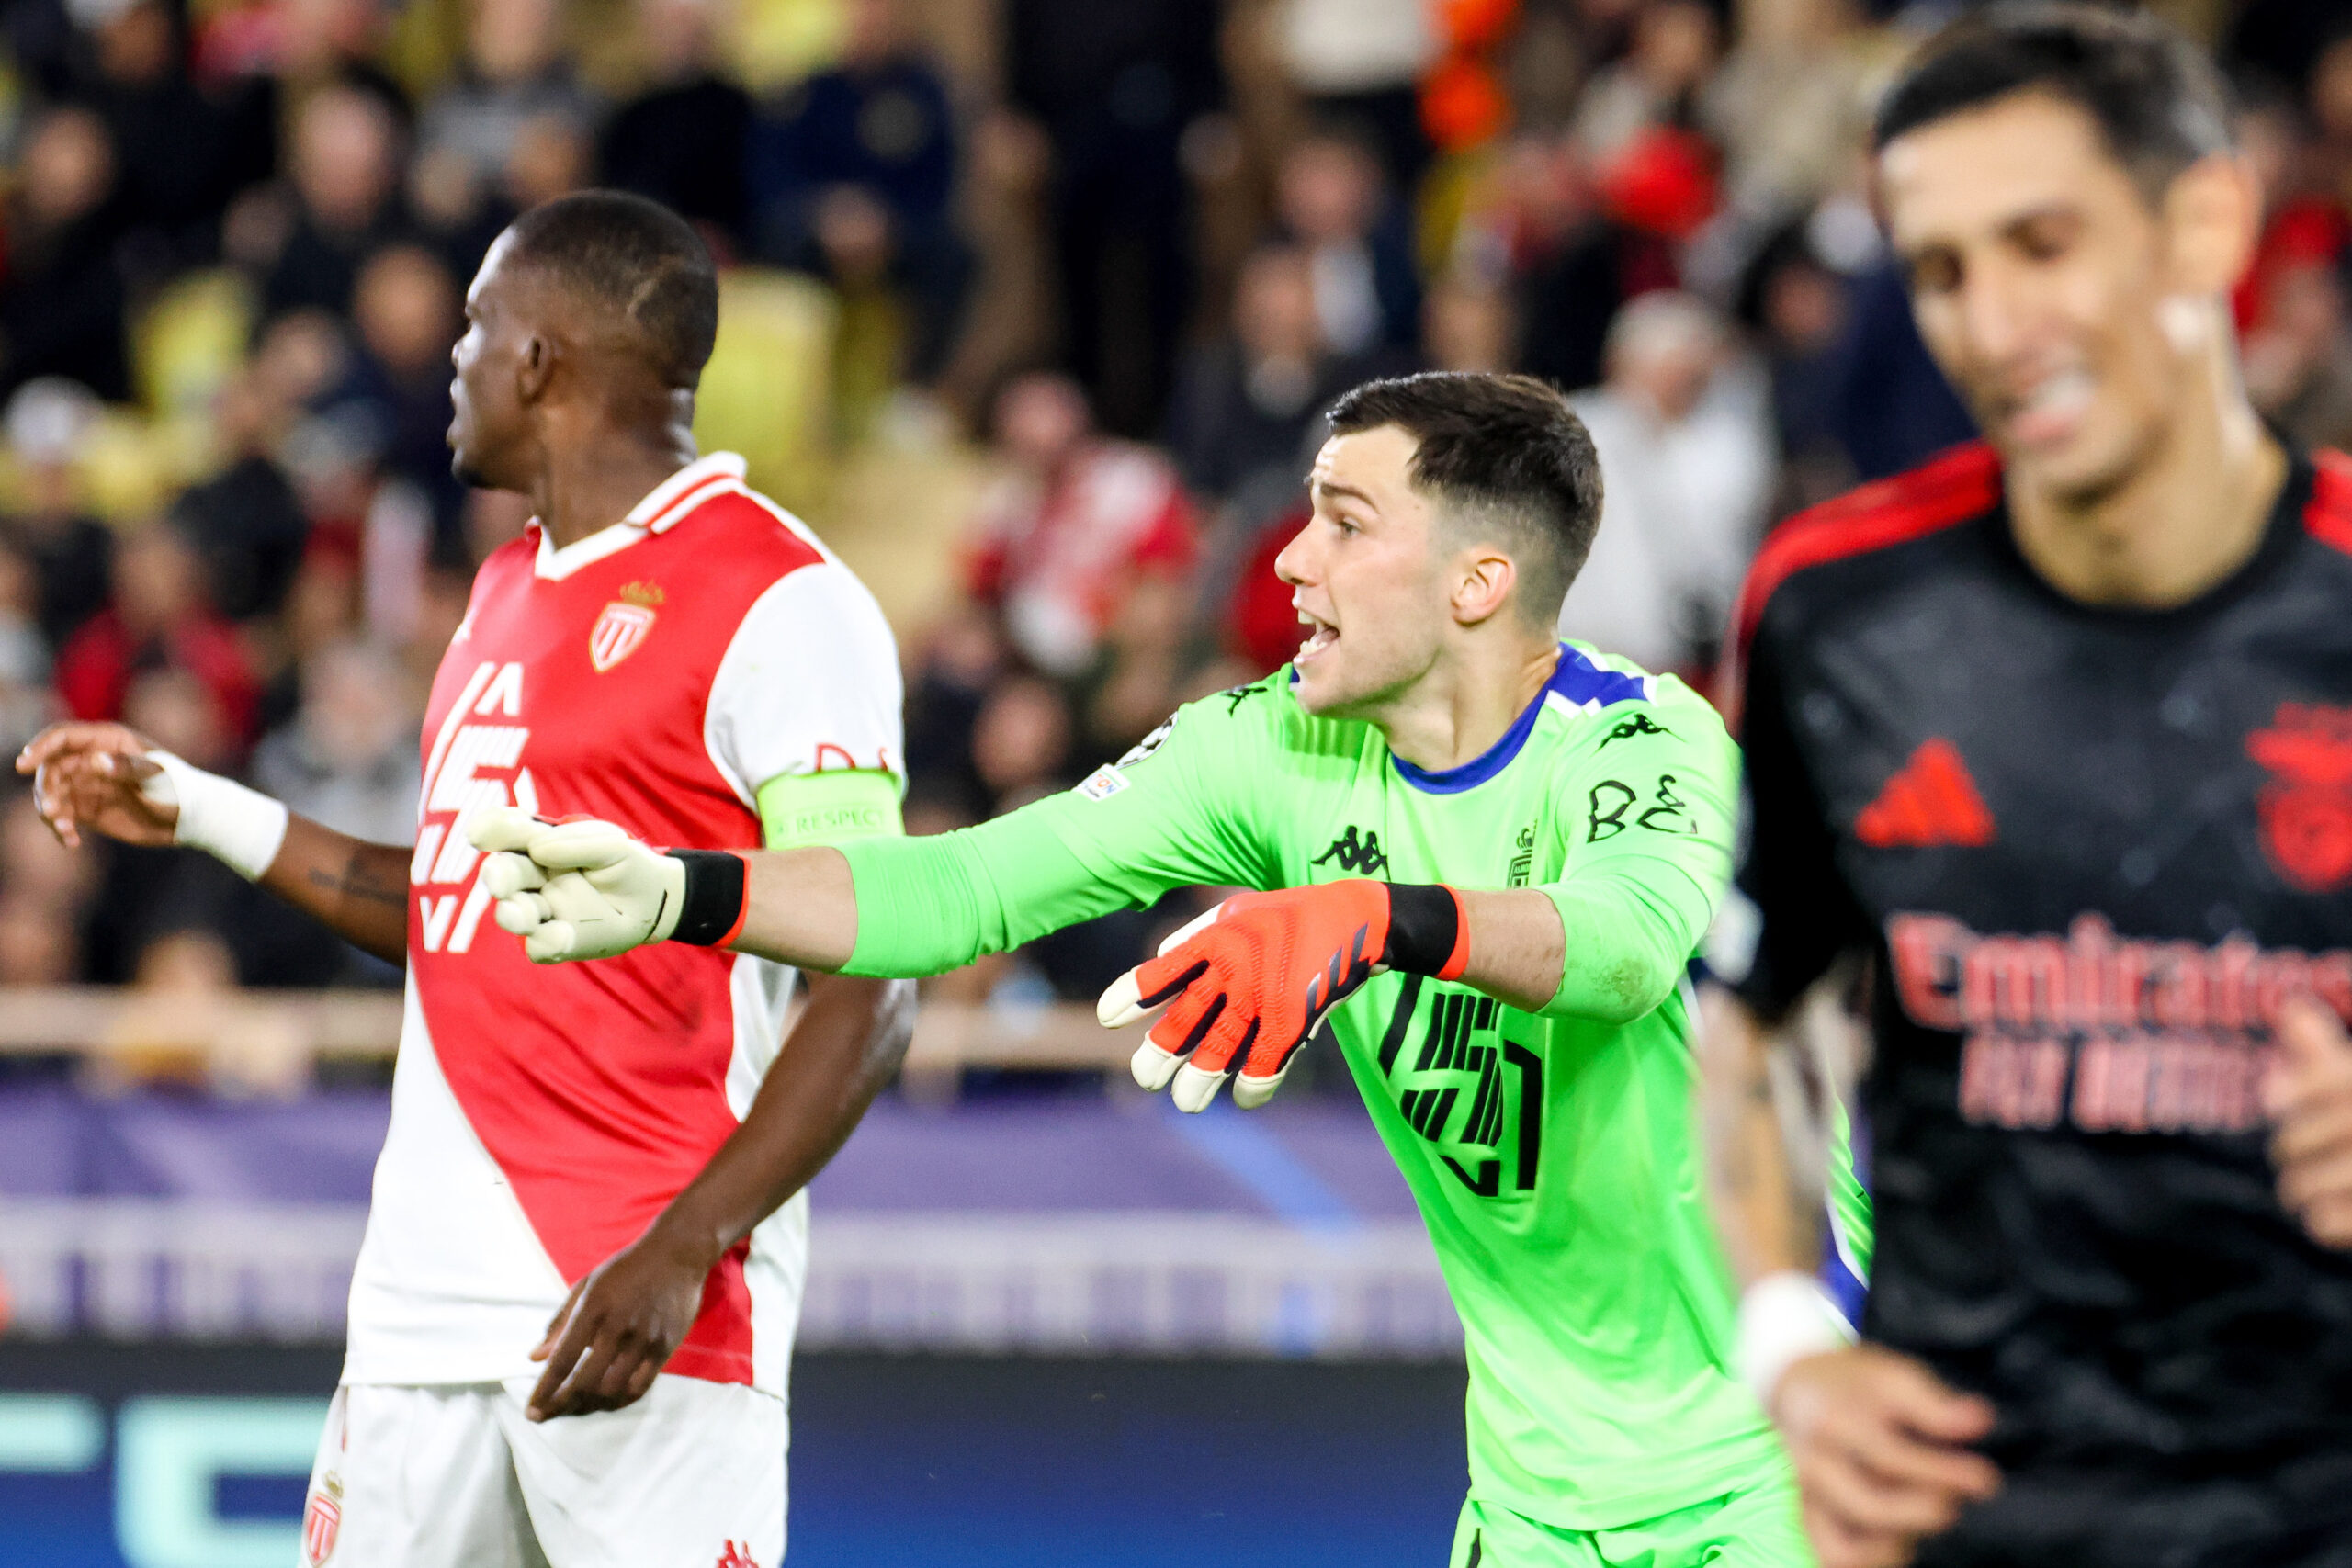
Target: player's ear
534 367
1483 584
2212 217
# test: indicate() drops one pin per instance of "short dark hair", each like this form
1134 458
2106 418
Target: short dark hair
1506 449
2159 103
634 257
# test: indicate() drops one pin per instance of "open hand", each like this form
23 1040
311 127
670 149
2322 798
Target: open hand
1246 984
1880 1444
90 775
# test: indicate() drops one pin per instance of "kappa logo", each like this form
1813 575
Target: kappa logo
1355 855
2306 808
1236 695
736 1555
621 626
1640 724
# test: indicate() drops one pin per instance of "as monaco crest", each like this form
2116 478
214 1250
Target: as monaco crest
321 1522
621 626
2306 808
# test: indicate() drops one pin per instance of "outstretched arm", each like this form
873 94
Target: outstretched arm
101 777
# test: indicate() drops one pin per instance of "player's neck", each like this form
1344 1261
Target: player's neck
2189 515
1469 701
588 485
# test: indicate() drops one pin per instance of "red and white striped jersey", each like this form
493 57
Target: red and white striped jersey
655 674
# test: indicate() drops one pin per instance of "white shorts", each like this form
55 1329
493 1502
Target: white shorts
452 1475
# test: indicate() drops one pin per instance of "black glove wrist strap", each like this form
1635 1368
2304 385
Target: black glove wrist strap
711 913
1424 930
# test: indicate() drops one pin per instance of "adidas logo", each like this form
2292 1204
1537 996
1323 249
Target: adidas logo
1930 801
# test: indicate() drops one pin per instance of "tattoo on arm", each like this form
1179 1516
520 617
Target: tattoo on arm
355 882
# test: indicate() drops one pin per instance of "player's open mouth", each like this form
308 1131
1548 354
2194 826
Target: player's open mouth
2053 411
1321 636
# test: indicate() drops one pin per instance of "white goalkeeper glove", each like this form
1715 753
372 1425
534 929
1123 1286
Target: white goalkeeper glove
579 889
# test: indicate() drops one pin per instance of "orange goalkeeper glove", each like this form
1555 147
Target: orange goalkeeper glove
1249 982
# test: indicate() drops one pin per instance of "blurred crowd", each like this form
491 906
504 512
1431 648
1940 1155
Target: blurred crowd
1031 307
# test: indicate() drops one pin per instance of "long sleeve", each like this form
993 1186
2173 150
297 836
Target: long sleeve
1650 808
1167 814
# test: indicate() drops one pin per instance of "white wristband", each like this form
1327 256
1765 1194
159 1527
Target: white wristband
240 826
1783 1318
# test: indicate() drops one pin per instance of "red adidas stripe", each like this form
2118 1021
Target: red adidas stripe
2328 515
1951 488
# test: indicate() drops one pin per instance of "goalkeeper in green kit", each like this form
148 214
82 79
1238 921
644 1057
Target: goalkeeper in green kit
1485 858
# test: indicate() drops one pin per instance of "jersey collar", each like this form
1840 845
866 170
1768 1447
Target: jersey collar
1577 685
663 508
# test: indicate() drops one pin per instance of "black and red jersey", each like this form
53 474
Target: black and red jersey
2091 851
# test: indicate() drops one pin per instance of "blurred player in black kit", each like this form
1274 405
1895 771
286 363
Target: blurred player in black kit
2057 731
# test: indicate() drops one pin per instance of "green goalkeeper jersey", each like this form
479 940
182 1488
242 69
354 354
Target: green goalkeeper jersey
1552 1153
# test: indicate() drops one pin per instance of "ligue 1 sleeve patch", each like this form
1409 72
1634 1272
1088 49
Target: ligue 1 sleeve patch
1102 782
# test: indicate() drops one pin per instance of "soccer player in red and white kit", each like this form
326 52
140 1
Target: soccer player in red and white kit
593 1174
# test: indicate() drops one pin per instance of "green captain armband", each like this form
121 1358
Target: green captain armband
800 809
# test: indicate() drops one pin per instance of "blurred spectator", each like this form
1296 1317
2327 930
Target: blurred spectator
43 889
1795 304
293 47
406 309
952 668
2285 38
682 140
516 72
309 244
1331 201
1020 742
2298 359
1360 60
71 553
850 177
24 656
1790 107
1572 263
182 151
1686 470
1074 525
246 521
61 305
1139 680
1116 82
36 947
159 621
348 759
514 123
1248 602
1467 324
1244 403
1895 410
1658 81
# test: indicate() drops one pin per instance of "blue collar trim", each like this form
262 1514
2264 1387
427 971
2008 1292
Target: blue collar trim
1578 681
